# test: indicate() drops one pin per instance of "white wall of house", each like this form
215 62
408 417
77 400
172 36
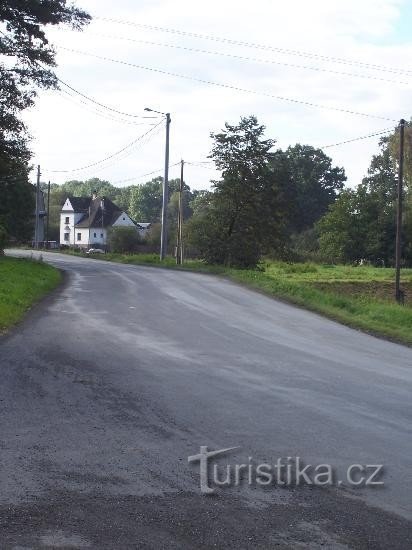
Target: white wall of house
67 227
82 236
98 236
124 221
89 238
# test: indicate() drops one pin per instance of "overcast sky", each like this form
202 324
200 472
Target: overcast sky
68 134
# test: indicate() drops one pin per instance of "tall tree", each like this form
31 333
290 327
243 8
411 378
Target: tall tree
26 64
243 217
315 183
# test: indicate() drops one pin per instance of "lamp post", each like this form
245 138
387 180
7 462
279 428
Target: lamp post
163 239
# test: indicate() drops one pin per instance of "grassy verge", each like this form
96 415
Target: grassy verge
361 297
22 283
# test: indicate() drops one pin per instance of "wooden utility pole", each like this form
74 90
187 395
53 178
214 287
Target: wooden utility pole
179 249
163 237
398 291
48 215
37 224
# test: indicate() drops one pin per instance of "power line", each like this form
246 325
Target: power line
230 87
145 175
67 95
92 100
266 47
255 59
131 151
201 165
128 146
388 130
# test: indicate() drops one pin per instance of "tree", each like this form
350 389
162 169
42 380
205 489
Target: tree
243 216
28 67
362 223
78 188
123 239
314 184
341 236
146 200
17 195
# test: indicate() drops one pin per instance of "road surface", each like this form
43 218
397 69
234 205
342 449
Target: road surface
110 384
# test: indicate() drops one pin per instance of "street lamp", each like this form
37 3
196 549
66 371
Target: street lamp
163 239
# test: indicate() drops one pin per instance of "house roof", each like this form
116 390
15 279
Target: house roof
96 217
80 204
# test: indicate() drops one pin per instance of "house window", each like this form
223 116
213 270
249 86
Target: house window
67 220
95 235
79 236
101 234
66 236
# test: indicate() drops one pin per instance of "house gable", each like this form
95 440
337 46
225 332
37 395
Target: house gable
67 206
123 220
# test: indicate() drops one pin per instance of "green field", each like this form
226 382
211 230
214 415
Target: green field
22 283
361 297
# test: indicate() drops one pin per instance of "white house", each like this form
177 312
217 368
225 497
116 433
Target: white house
84 221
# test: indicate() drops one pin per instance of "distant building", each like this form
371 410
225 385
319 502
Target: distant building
85 221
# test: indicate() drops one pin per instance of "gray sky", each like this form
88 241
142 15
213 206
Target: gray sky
69 134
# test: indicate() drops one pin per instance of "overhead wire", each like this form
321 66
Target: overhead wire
93 164
130 151
78 101
231 87
92 100
388 130
145 175
255 59
82 94
254 45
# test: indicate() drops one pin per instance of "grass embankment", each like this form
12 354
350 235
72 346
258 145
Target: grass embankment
22 283
362 297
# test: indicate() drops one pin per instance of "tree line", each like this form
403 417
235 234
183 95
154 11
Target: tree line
26 65
264 198
290 204
287 204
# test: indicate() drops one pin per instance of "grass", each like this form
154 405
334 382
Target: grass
361 297
22 283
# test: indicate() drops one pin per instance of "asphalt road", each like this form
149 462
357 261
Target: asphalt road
113 382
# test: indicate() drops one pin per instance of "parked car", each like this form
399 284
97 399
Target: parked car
95 251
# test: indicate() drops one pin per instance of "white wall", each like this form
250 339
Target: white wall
124 221
98 239
69 227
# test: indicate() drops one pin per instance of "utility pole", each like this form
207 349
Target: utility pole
163 238
163 241
398 291
48 215
102 207
37 224
179 251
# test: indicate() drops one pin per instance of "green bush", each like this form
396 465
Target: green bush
123 239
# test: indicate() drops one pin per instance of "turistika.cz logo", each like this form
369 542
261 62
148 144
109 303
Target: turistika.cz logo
284 472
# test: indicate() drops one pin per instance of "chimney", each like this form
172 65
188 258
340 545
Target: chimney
94 196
